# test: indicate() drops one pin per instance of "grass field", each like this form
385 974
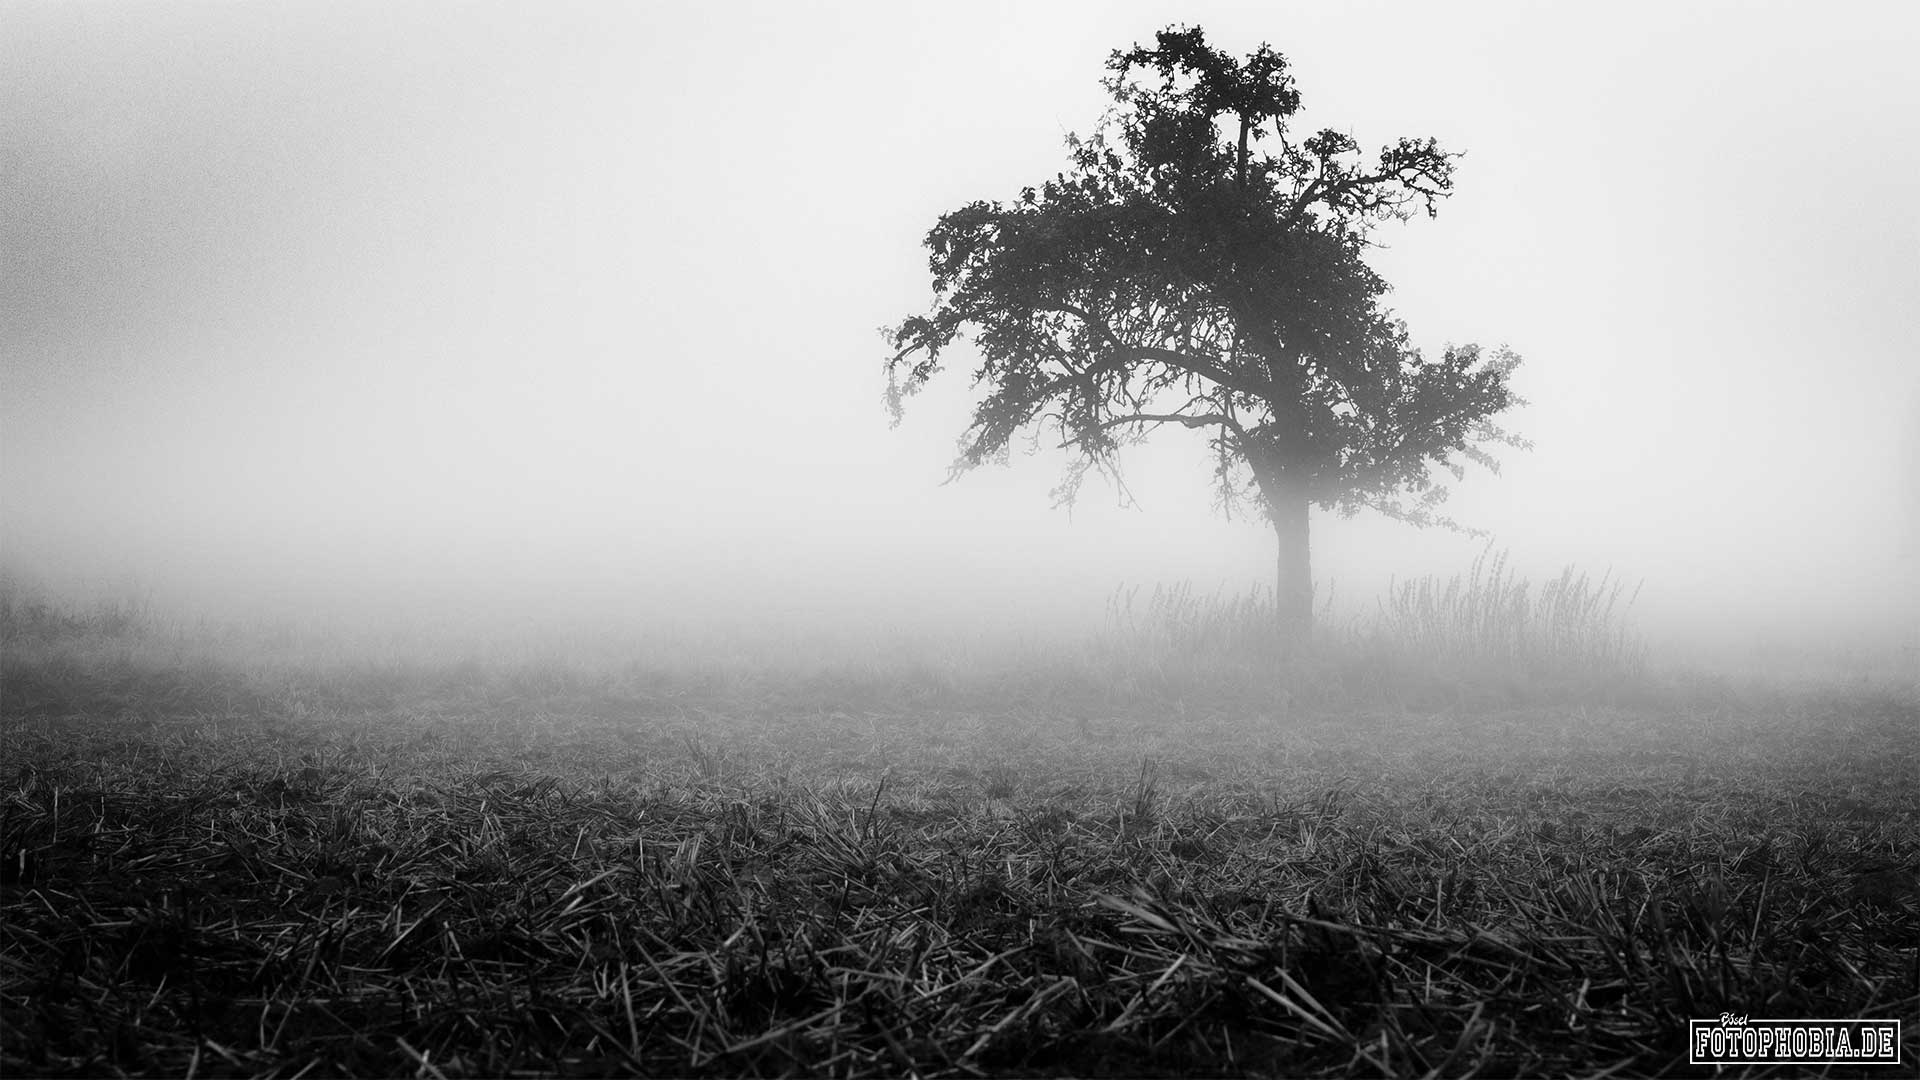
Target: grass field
1477 836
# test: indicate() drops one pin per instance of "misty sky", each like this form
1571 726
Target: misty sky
313 303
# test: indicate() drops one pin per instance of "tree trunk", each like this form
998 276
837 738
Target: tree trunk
1293 589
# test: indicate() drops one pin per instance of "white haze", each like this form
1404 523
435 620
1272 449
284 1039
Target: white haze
491 311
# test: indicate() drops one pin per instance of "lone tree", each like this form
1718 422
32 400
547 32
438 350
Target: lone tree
1186 271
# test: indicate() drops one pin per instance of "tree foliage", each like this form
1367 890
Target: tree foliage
1201 264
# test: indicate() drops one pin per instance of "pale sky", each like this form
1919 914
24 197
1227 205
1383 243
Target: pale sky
576 305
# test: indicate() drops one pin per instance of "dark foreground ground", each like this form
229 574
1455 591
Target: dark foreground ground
525 873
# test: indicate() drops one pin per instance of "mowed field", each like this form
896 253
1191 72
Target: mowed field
1159 855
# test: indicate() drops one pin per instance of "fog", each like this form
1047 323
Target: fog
549 310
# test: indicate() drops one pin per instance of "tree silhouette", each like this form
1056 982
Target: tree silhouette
1184 270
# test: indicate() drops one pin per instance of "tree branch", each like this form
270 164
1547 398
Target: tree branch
1408 174
1182 419
1185 361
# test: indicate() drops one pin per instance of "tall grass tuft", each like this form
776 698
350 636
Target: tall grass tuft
1492 616
27 614
1176 620
1487 628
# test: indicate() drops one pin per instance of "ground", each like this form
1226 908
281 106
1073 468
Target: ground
464 869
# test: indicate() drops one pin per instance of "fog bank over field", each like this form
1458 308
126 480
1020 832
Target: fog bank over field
457 316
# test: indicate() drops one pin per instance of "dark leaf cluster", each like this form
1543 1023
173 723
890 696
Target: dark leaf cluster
1199 264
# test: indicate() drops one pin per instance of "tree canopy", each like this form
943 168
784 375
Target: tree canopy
1200 264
